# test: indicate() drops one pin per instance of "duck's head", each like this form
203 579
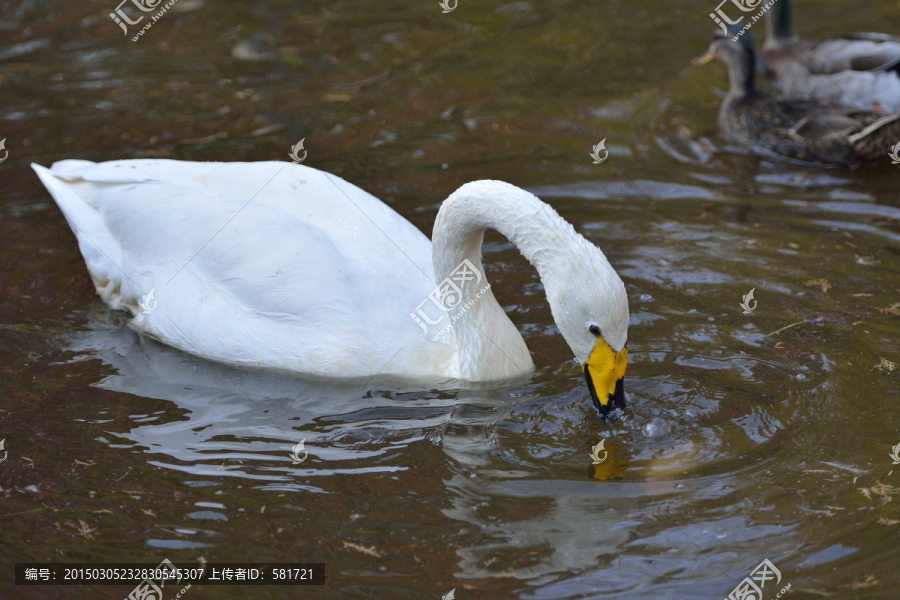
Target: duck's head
736 48
591 311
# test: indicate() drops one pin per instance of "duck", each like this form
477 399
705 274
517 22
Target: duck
816 132
279 266
862 69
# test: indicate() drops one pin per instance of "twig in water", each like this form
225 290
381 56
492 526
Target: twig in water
786 327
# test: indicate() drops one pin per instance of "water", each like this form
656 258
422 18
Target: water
739 445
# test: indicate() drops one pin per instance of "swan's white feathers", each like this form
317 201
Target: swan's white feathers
255 294
282 266
581 286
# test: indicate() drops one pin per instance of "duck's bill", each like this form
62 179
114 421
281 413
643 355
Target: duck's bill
704 60
605 376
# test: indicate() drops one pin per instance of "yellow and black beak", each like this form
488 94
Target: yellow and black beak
605 375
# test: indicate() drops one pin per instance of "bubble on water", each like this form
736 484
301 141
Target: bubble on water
801 377
655 428
645 298
615 415
690 414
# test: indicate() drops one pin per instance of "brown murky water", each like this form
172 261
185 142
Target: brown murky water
740 446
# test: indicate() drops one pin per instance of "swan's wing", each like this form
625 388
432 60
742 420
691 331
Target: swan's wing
267 264
334 205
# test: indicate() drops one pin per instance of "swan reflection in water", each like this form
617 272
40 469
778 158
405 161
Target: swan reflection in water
585 533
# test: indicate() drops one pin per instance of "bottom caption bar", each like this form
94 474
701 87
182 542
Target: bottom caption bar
155 576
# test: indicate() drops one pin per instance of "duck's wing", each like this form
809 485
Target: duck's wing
835 134
872 36
857 52
766 114
875 136
890 52
861 89
818 119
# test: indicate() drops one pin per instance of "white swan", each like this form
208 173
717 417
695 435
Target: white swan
280 266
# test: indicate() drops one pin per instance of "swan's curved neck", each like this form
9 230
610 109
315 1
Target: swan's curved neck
484 334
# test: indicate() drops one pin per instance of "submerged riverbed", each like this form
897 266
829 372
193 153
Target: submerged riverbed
740 445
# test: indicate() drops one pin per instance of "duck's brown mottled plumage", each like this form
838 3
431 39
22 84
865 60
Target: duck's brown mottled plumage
815 131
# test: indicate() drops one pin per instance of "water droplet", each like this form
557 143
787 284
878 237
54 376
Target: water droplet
655 428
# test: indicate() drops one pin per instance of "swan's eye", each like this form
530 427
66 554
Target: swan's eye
595 330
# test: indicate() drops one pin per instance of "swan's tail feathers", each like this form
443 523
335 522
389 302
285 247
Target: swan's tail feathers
102 254
71 169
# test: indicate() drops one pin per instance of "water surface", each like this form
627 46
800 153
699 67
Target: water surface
739 445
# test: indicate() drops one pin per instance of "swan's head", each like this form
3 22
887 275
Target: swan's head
590 307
